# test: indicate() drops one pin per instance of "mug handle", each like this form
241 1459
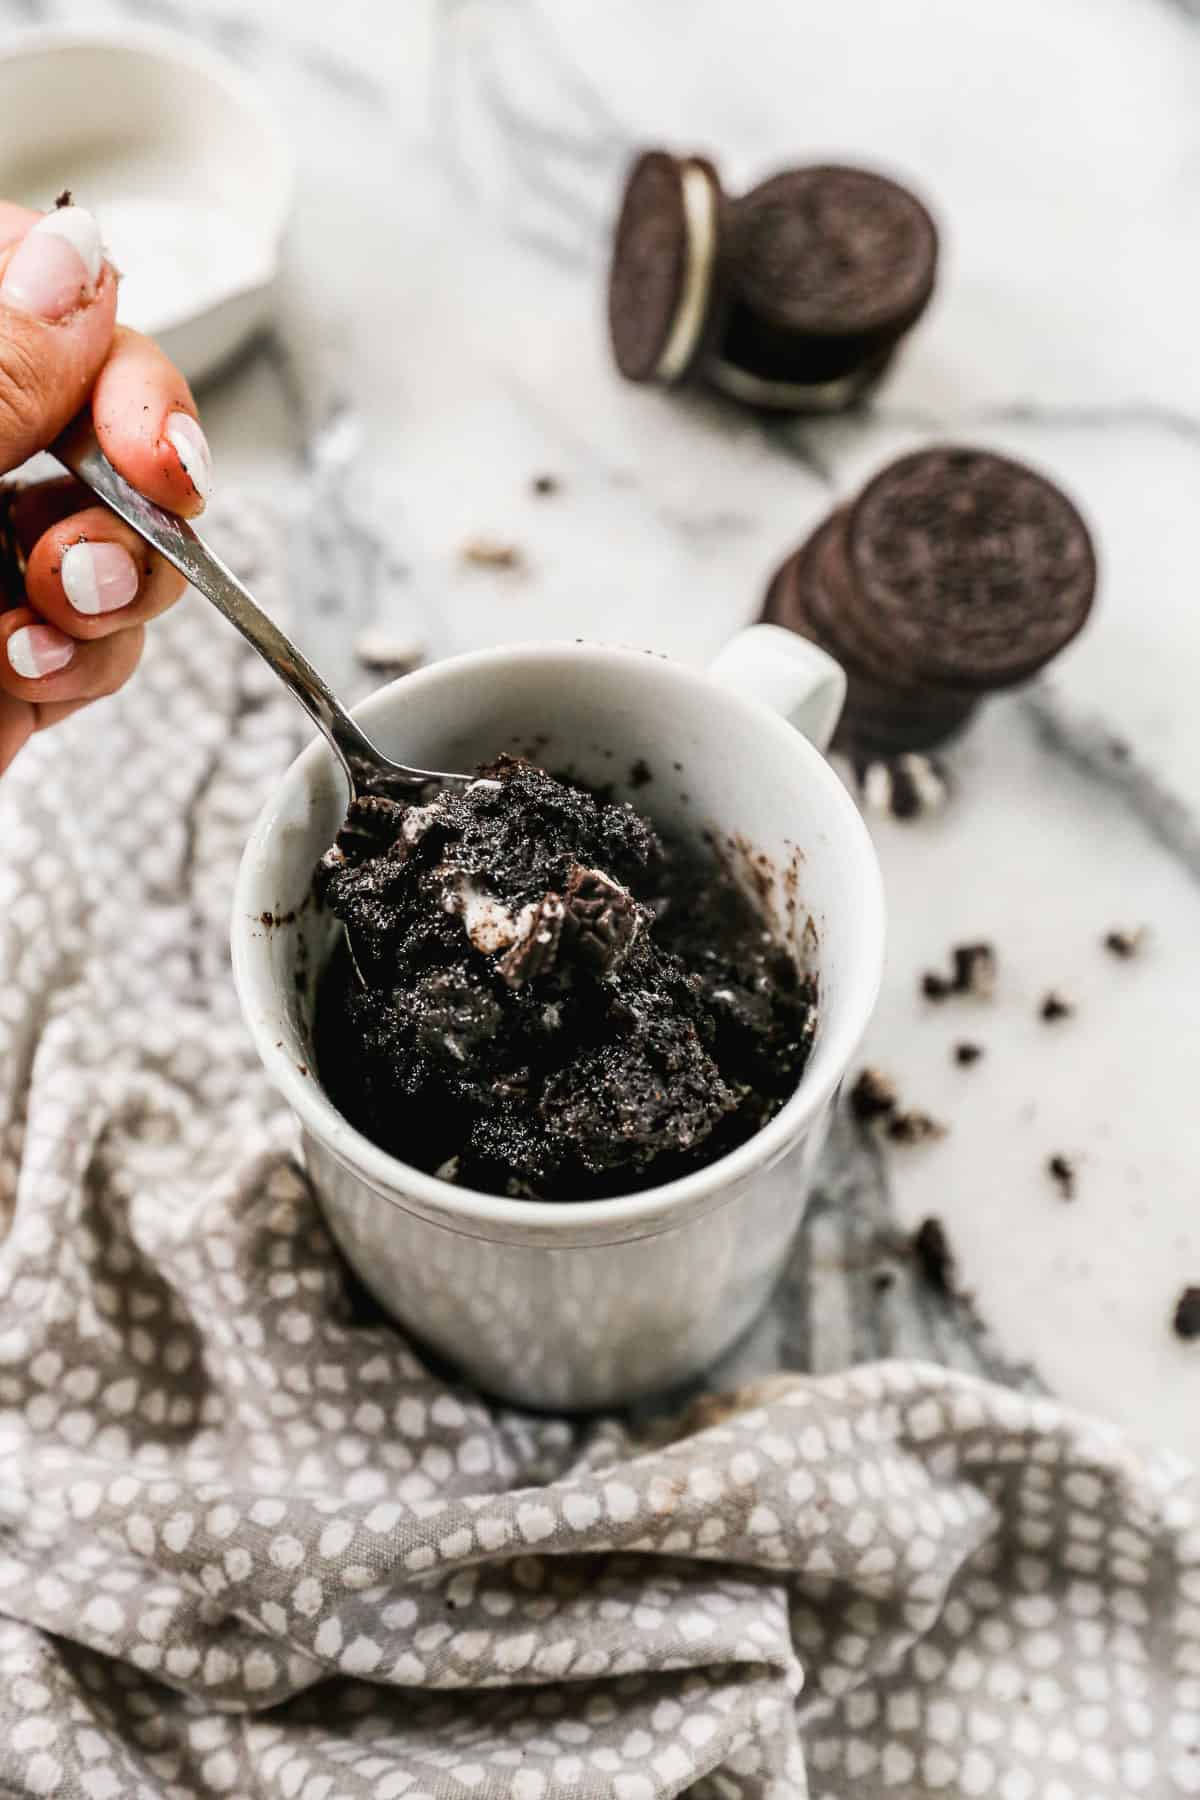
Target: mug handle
787 673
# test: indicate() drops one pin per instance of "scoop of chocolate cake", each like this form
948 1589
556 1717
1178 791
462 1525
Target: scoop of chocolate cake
545 1000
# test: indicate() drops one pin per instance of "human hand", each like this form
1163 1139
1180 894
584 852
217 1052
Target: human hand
82 585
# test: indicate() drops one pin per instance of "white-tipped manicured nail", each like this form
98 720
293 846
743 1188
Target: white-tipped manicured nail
191 447
99 578
56 265
37 650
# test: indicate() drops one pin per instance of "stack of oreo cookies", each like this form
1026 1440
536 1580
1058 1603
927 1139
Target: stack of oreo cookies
955 572
793 297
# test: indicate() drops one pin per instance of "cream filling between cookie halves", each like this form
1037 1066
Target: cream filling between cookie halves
799 396
700 227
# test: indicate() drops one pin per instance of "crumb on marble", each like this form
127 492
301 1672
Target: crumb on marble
1186 1318
1061 1171
492 553
383 654
914 1127
934 1257
905 787
545 485
973 971
1054 1007
873 1096
1124 942
965 1054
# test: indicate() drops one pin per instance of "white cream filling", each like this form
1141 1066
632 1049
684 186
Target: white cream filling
490 925
797 396
417 820
700 228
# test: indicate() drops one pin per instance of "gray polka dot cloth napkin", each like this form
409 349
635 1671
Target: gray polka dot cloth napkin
250 1546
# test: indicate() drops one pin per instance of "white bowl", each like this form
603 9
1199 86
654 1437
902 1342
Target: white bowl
179 157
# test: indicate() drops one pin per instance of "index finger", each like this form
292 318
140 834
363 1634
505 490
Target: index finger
145 419
14 222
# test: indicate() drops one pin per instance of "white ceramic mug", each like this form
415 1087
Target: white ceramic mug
589 1304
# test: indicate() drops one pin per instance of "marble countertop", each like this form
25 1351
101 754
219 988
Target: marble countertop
459 165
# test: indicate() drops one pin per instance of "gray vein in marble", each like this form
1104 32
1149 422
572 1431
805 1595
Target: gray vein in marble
344 567
567 172
243 40
1067 416
579 447
852 1292
852 1289
1092 748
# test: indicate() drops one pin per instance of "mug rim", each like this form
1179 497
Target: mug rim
404 1185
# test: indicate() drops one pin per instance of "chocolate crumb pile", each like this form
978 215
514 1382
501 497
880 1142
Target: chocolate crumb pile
557 1005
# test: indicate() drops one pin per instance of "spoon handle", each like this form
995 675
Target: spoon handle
175 540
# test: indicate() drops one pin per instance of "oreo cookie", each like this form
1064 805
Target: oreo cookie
969 568
663 284
955 571
886 712
829 266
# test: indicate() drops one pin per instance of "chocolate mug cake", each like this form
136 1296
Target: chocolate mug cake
542 998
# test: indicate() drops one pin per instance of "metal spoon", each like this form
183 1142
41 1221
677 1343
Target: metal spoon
365 766
363 763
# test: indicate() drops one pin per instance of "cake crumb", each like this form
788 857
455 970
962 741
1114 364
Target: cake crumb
1061 1170
914 1127
934 1257
1054 1008
965 1054
63 199
873 1096
906 787
1186 1320
491 553
385 655
1125 943
973 972
545 485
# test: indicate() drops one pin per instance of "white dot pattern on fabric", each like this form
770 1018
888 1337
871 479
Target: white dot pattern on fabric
251 1546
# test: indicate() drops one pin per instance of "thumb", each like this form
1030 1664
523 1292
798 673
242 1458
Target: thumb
58 304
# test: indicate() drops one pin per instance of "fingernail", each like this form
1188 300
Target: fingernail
191 447
38 650
99 578
56 265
